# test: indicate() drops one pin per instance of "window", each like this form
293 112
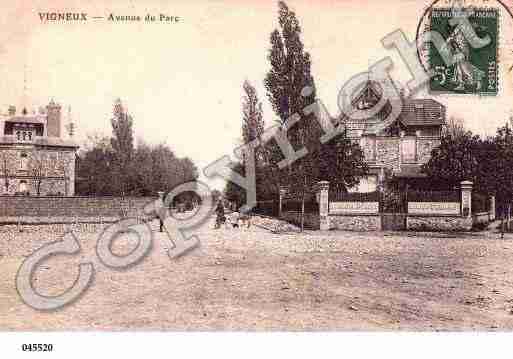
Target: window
24 135
23 187
409 149
23 161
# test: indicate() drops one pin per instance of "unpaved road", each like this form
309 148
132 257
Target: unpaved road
251 279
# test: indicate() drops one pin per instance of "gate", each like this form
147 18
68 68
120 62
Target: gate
393 207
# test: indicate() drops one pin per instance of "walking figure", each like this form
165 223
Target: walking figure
220 217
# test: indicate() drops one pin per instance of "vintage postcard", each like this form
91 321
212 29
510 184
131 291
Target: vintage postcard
240 166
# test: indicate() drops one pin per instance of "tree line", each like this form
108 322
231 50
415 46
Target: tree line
115 165
463 155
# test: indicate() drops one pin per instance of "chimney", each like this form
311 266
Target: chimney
12 110
53 111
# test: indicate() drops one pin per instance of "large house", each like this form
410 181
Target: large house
399 147
35 158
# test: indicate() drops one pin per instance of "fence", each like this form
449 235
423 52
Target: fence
341 196
292 210
433 196
413 210
267 208
453 210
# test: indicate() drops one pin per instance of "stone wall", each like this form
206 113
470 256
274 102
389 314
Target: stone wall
55 167
388 151
438 223
360 223
12 208
311 220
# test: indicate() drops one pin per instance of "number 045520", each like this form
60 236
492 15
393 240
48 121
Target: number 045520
37 347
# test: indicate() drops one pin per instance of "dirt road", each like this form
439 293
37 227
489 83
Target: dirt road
251 279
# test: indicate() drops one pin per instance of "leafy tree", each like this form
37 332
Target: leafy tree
252 129
233 192
464 156
454 128
252 114
290 67
122 143
498 165
455 160
342 162
286 82
95 168
112 166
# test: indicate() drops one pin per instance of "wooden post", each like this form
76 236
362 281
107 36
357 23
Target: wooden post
509 218
502 220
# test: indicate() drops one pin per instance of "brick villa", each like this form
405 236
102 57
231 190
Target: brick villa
401 146
35 158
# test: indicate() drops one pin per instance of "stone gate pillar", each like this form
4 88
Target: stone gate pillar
466 198
283 191
324 217
492 208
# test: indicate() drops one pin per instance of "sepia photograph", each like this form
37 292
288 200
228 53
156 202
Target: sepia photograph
296 167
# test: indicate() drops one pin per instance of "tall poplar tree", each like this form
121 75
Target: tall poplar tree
252 129
122 143
286 82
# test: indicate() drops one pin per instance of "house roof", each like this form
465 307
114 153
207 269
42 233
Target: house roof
422 112
415 112
25 119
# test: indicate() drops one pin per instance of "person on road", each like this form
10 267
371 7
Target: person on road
220 218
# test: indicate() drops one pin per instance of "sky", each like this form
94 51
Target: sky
182 81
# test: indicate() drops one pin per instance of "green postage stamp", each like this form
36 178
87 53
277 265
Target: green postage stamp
477 70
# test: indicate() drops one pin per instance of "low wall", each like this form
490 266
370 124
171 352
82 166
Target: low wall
311 220
61 209
438 223
352 222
